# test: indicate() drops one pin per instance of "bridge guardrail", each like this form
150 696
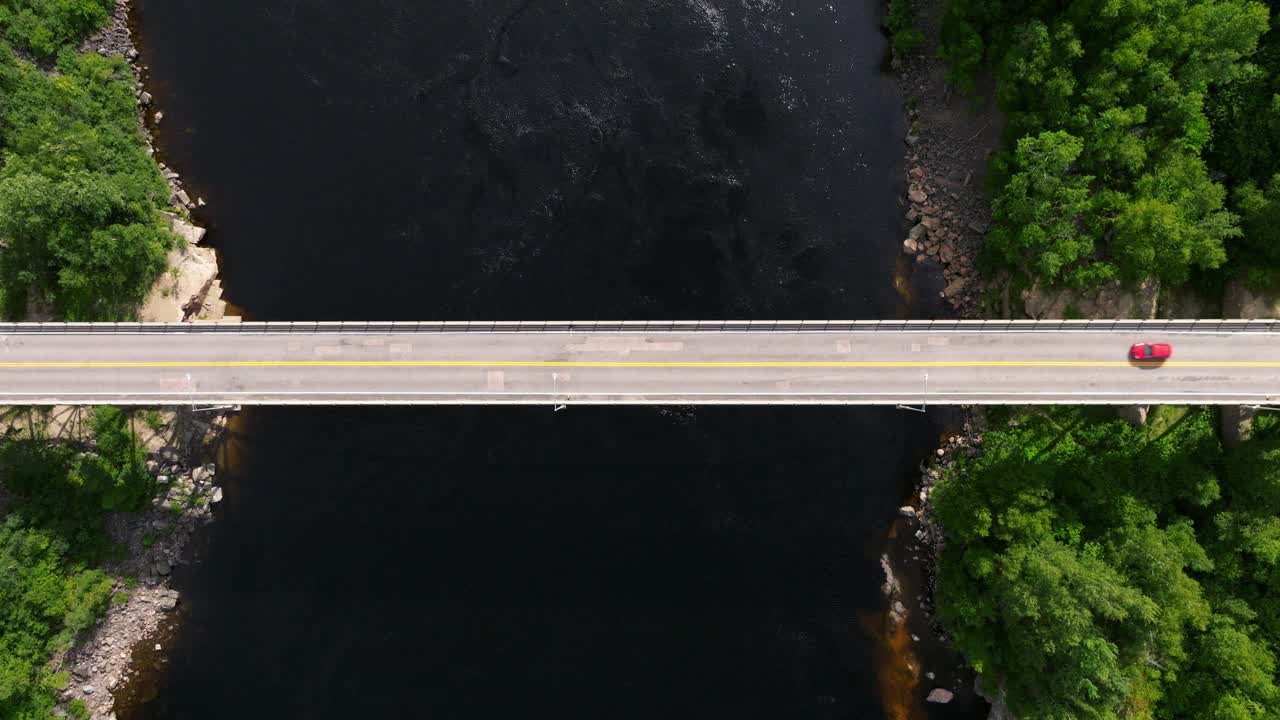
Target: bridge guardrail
650 326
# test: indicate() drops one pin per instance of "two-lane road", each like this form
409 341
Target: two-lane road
883 368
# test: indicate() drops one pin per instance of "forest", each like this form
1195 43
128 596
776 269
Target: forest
1141 138
1094 569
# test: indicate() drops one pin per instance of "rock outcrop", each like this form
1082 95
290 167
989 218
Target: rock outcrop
1109 301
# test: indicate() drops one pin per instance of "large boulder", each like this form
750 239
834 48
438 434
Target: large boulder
191 272
940 695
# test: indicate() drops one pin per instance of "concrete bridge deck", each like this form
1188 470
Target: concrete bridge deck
807 363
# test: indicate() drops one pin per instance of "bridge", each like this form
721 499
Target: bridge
907 363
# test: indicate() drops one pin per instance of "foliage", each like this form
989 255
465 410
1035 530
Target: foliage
1258 252
42 27
900 23
79 198
80 230
78 710
1245 115
47 592
1112 92
66 490
45 600
153 420
1036 215
1096 570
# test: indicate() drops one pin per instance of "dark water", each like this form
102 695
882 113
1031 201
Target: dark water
387 159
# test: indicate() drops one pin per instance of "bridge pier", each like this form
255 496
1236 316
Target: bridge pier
1236 423
1135 414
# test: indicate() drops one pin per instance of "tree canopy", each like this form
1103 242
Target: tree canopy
1097 570
79 198
1110 96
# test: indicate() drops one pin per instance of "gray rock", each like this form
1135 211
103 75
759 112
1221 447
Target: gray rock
168 600
162 568
928 675
940 695
911 140
907 511
183 197
202 473
217 496
88 689
185 230
158 116
916 195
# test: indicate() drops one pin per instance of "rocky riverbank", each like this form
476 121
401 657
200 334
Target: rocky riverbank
179 450
949 145
189 289
180 445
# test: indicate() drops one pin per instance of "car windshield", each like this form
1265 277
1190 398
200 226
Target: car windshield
1147 350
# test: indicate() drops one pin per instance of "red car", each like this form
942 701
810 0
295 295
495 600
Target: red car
1151 351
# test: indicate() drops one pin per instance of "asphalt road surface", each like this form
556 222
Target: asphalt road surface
881 368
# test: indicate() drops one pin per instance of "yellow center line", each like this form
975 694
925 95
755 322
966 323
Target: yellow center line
727 364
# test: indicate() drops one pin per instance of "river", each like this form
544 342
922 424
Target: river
539 159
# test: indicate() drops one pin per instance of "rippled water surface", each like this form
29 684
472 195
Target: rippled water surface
527 159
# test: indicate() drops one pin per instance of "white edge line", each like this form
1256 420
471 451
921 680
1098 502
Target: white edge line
165 402
542 393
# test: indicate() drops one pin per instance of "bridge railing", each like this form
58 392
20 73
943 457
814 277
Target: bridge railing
651 326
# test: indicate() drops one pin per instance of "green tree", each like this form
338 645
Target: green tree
1128 79
79 199
1085 573
42 27
1175 222
1041 213
45 600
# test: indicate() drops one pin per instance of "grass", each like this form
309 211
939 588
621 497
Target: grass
153 420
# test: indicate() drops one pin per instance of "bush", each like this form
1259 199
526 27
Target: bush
45 600
42 27
900 24
79 197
